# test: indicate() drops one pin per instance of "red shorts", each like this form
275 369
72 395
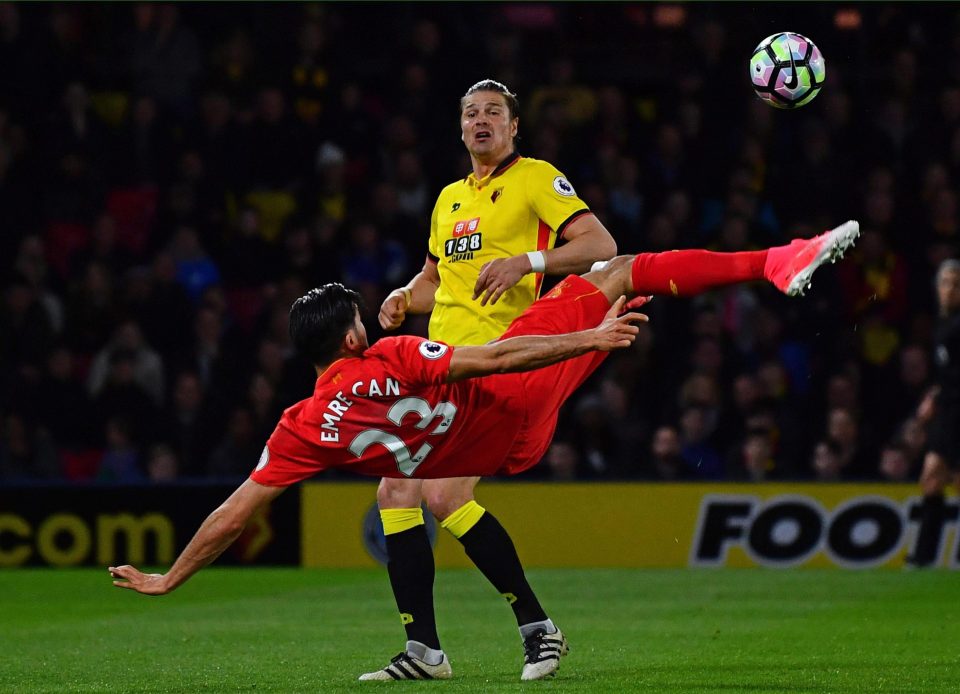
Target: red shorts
574 304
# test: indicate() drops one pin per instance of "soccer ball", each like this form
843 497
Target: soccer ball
787 70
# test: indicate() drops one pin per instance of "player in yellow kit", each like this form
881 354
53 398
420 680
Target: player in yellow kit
493 234
523 205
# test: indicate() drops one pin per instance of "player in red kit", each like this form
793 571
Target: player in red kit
408 407
411 407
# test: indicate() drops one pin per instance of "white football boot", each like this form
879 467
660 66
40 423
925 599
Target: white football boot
542 653
404 666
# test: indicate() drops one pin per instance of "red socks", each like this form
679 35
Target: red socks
692 272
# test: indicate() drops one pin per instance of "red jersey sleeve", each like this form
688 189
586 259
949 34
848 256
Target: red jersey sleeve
289 456
414 361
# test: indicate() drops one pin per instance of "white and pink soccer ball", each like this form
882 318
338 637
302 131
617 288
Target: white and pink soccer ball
787 70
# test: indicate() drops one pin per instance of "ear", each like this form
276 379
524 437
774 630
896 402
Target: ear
351 341
514 127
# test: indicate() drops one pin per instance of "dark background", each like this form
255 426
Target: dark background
172 176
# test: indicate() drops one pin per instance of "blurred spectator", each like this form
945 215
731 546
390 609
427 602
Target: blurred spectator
164 56
147 364
121 396
233 74
91 308
26 451
372 262
104 248
162 464
895 464
196 270
64 404
121 460
238 451
144 146
190 425
757 463
826 462
562 461
665 460
248 259
310 75
701 459
26 325
163 305
263 405
843 433
275 155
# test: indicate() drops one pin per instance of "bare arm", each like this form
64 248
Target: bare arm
217 532
416 297
529 352
587 241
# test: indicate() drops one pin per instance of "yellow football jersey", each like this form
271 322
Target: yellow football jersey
523 205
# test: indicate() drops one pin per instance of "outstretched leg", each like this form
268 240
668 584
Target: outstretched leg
691 272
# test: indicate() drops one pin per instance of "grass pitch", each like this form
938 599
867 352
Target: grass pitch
287 630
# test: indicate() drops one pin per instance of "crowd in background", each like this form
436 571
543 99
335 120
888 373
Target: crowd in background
172 176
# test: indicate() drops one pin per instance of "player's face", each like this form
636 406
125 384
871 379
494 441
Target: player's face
948 291
488 130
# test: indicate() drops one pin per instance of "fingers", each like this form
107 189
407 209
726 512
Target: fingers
488 294
633 318
389 322
497 294
126 572
482 280
391 312
617 307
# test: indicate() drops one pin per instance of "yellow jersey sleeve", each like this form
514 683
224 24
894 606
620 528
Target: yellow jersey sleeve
552 196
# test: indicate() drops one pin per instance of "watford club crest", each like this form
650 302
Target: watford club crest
496 195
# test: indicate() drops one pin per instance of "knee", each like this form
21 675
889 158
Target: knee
397 493
443 497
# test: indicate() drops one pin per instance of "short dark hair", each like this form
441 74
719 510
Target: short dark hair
513 105
320 318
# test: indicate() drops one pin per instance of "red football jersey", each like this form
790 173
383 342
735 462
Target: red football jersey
390 413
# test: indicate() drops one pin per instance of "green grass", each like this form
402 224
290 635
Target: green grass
285 630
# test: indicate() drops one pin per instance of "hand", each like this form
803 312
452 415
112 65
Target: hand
617 331
148 584
498 276
394 309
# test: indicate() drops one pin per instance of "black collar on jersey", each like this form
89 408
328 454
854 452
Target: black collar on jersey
510 158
